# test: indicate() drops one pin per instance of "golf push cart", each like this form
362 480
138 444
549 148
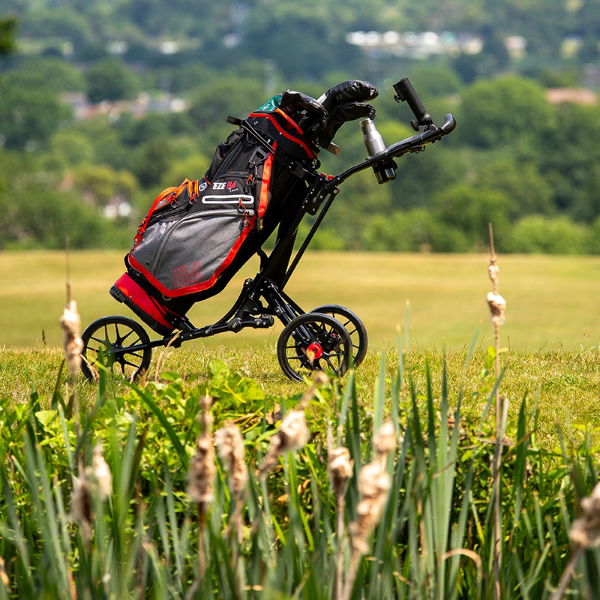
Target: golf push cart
197 235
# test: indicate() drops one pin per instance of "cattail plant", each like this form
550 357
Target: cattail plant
70 322
100 473
293 432
374 483
230 447
497 306
292 435
339 469
3 576
82 509
201 484
585 533
94 483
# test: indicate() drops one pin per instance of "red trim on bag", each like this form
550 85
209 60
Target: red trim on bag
265 185
140 297
279 128
198 287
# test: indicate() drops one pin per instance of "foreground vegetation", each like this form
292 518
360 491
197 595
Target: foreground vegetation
139 516
562 386
400 486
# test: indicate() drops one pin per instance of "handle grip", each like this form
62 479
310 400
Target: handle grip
405 92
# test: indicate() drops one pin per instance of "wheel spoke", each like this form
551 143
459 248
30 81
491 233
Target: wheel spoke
127 335
128 362
333 368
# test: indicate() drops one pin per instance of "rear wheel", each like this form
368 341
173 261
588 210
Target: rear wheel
313 342
119 342
353 325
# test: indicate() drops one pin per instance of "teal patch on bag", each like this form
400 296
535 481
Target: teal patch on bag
271 104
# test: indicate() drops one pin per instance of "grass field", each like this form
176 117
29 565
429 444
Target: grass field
552 302
552 332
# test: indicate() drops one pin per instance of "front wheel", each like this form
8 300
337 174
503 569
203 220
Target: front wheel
121 342
313 342
353 325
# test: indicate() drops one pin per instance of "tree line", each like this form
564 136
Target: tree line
529 166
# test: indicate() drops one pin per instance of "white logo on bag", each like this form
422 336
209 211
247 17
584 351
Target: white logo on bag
219 185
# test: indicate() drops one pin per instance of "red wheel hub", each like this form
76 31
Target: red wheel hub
314 351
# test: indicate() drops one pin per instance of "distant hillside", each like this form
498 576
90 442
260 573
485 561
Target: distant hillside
313 37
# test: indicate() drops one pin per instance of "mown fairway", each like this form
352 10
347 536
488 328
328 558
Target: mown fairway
552 302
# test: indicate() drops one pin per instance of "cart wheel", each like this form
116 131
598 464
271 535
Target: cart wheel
354 326
313 342
122 341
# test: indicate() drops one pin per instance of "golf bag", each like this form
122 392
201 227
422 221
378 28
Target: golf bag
197 235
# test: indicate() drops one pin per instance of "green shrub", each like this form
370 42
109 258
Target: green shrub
551 235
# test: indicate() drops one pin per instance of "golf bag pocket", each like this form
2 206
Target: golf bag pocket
195 231
154 313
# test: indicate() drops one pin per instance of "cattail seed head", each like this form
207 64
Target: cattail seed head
73 344
586 529
493 272
339 466
230 446
3 575
202 471
293 431
81 505
100 473
497 306
206 418
373 480
202 467
292 435
320 378
384 440
373 485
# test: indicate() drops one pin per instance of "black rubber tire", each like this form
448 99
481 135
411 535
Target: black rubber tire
325 331
354 326
109 334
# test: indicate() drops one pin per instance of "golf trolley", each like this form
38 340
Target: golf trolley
329 337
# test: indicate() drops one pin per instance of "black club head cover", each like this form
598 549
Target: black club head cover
297 104
339 115
353 90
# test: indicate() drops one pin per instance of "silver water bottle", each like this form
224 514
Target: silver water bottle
385 171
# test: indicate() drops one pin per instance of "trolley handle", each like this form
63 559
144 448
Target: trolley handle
415 143
405 92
